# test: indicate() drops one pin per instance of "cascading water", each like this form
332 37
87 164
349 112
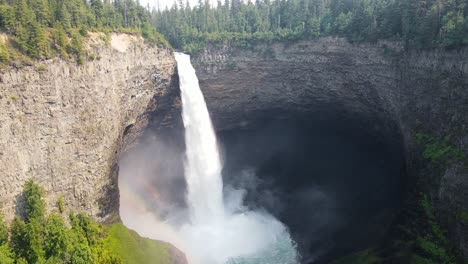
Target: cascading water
220 231
203 165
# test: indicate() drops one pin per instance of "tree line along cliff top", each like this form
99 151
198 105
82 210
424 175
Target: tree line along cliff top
417 23
42 29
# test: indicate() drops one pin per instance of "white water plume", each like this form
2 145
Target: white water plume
216 227
203 165
216 233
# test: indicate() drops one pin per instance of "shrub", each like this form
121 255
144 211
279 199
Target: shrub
4 54
439 150
76 47
83 31
60 39
6 256
34 201
57 238
3 231
41 67
60 204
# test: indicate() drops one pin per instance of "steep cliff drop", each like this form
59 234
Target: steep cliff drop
219 229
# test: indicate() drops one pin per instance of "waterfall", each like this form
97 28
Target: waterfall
203 165
216 233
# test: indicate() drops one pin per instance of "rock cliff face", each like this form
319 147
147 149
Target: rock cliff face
64 125
383 86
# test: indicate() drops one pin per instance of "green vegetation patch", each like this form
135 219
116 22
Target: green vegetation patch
131 248
418 24
48 239
38 29
418 238
422 239
463 216
439 150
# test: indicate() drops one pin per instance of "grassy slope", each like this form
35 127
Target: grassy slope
132 248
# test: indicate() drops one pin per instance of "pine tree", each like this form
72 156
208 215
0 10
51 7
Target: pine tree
38 44
4 57
7 18
34 241
18 241
3 231
34 201
60 39
57 239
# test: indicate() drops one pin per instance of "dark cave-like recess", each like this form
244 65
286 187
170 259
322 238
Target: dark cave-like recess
335 182
336 179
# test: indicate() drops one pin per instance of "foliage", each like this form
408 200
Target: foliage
48 239
82 254
33 242
76 46
34 202
439 150
433 244
132 248
463 216
17 237
6 256
420 23
3 231
417 238
60 204
42 29
41 67
420 237
60 39
4 54
57 237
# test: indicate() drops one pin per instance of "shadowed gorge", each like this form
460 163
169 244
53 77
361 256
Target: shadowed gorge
324 135
330 166
336 181
336 185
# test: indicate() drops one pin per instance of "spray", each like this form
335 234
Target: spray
216 233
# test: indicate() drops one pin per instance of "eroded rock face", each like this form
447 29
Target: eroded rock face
302 77
64 125
381 86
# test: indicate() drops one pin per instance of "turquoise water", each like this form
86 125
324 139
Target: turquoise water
283 251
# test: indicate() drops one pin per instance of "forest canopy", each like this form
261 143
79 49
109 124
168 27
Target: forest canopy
42 29
419 23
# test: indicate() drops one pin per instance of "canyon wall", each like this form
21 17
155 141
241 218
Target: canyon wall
382 86
64 125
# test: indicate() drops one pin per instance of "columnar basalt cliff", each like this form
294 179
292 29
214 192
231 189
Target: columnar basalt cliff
65 125
390 92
